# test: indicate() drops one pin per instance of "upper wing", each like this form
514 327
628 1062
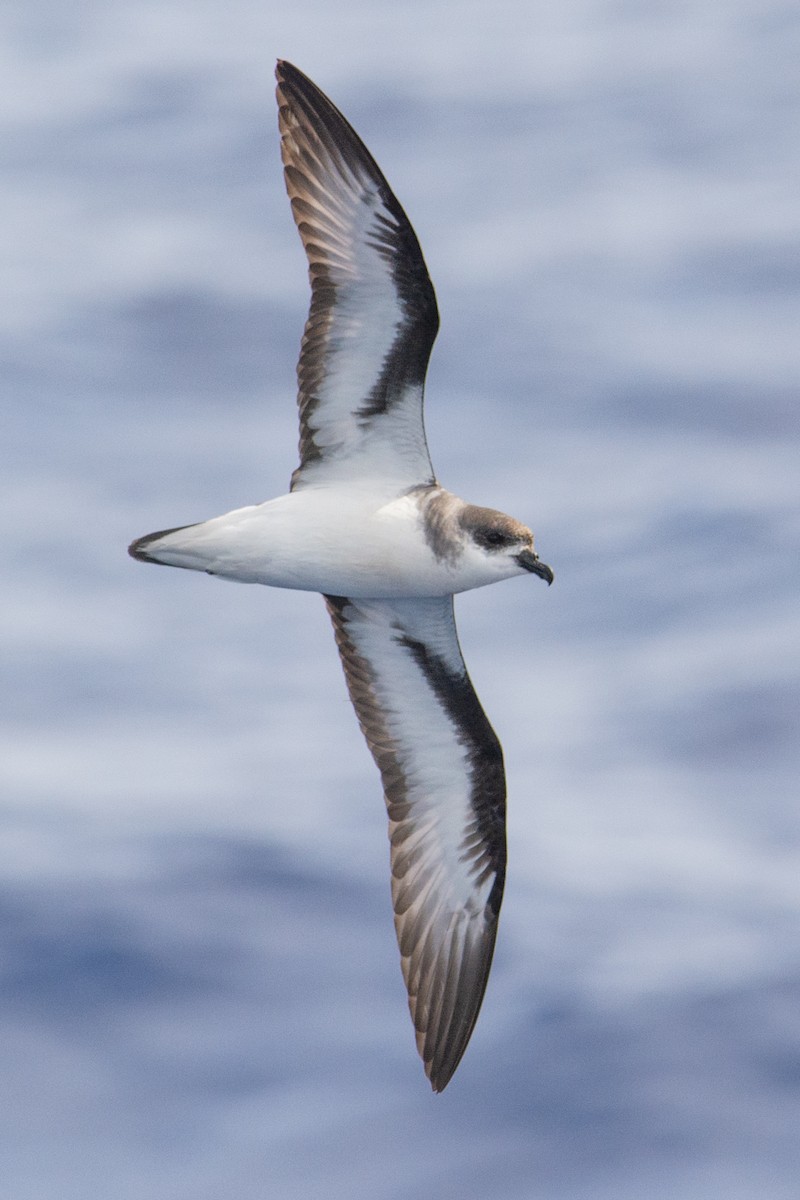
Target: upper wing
443 778
373 316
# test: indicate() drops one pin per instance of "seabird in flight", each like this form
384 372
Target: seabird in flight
366 523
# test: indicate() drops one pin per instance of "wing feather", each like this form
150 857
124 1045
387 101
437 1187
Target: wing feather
444 784
373 316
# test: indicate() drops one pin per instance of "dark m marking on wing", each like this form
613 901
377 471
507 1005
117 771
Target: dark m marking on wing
406 363
446 938
459 700
330 176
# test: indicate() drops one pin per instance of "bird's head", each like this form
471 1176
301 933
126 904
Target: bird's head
501 543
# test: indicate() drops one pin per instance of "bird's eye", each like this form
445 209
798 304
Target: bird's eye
495 538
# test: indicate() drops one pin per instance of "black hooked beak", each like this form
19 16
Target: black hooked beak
530 561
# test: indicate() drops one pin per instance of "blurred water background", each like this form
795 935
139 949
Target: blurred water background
200 989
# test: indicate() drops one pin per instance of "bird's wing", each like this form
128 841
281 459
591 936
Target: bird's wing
443 779
373 316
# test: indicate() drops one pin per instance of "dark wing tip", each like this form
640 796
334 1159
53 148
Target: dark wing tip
322 122
286 72
458 1006
283 68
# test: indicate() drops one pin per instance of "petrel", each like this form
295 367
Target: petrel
367 524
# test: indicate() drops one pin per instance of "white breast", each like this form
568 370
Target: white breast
336 542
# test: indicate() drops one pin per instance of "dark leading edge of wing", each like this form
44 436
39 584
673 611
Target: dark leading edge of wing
443 779
373 316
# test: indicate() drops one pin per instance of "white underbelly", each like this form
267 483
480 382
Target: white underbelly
313 541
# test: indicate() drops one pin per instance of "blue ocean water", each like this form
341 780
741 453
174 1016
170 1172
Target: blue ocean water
200 987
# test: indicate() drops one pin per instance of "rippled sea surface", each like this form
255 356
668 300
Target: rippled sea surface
199 982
